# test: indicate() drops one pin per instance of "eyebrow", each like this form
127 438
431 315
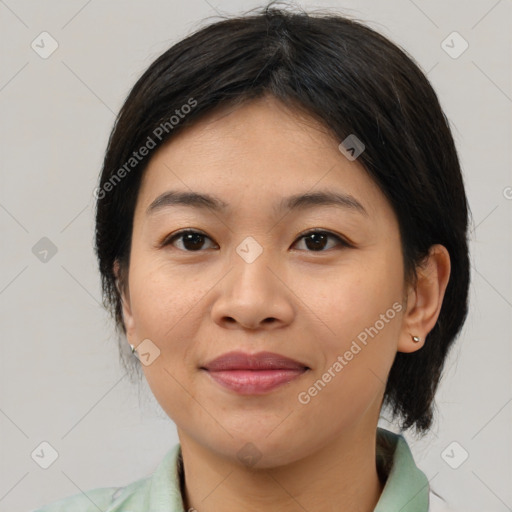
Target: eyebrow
294 202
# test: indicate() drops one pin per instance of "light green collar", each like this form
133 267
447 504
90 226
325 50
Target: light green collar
406 488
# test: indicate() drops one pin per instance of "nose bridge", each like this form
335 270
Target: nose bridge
252 293
251 275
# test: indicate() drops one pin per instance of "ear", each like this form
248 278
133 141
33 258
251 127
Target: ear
123 289
425 298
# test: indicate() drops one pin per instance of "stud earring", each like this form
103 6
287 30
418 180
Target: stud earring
416 339
133 348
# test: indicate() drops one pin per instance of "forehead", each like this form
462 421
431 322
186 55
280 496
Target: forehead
257 154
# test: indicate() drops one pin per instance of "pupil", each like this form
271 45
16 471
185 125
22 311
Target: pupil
196 240
316 242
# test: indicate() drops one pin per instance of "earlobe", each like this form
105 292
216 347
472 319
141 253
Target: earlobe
425 299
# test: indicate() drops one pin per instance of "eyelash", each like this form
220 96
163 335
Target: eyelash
341 241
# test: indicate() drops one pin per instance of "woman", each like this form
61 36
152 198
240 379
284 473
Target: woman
281 232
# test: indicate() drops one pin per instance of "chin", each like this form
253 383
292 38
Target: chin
258 450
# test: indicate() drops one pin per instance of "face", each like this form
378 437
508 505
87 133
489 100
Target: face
317 281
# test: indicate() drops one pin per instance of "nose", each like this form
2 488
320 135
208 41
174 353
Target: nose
253 296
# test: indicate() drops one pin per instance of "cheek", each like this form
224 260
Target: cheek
165 310
352 299
361 312
161 297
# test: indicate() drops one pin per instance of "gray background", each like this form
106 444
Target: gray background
60 377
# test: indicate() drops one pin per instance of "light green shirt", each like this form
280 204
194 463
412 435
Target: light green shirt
406 488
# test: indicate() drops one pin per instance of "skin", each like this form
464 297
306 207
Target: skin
305 304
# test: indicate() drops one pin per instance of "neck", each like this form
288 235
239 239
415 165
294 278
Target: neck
342 475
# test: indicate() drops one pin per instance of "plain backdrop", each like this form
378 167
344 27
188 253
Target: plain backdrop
60 377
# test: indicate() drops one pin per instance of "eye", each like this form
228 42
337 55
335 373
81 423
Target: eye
192 241
316 240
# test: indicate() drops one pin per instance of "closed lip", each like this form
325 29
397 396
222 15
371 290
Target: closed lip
239 360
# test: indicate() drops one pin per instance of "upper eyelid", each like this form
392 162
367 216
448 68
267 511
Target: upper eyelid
170 238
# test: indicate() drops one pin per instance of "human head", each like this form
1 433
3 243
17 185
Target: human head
352 80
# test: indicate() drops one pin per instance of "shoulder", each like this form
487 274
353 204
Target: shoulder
91 500
107 499
156 488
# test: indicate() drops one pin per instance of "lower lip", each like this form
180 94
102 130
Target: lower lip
254 382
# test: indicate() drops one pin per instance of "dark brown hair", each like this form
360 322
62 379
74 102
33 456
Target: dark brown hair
356 82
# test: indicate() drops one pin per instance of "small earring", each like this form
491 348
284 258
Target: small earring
133 348
416 339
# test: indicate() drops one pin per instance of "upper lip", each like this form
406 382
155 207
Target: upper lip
238 360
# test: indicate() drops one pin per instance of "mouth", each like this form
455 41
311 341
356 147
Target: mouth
253 374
